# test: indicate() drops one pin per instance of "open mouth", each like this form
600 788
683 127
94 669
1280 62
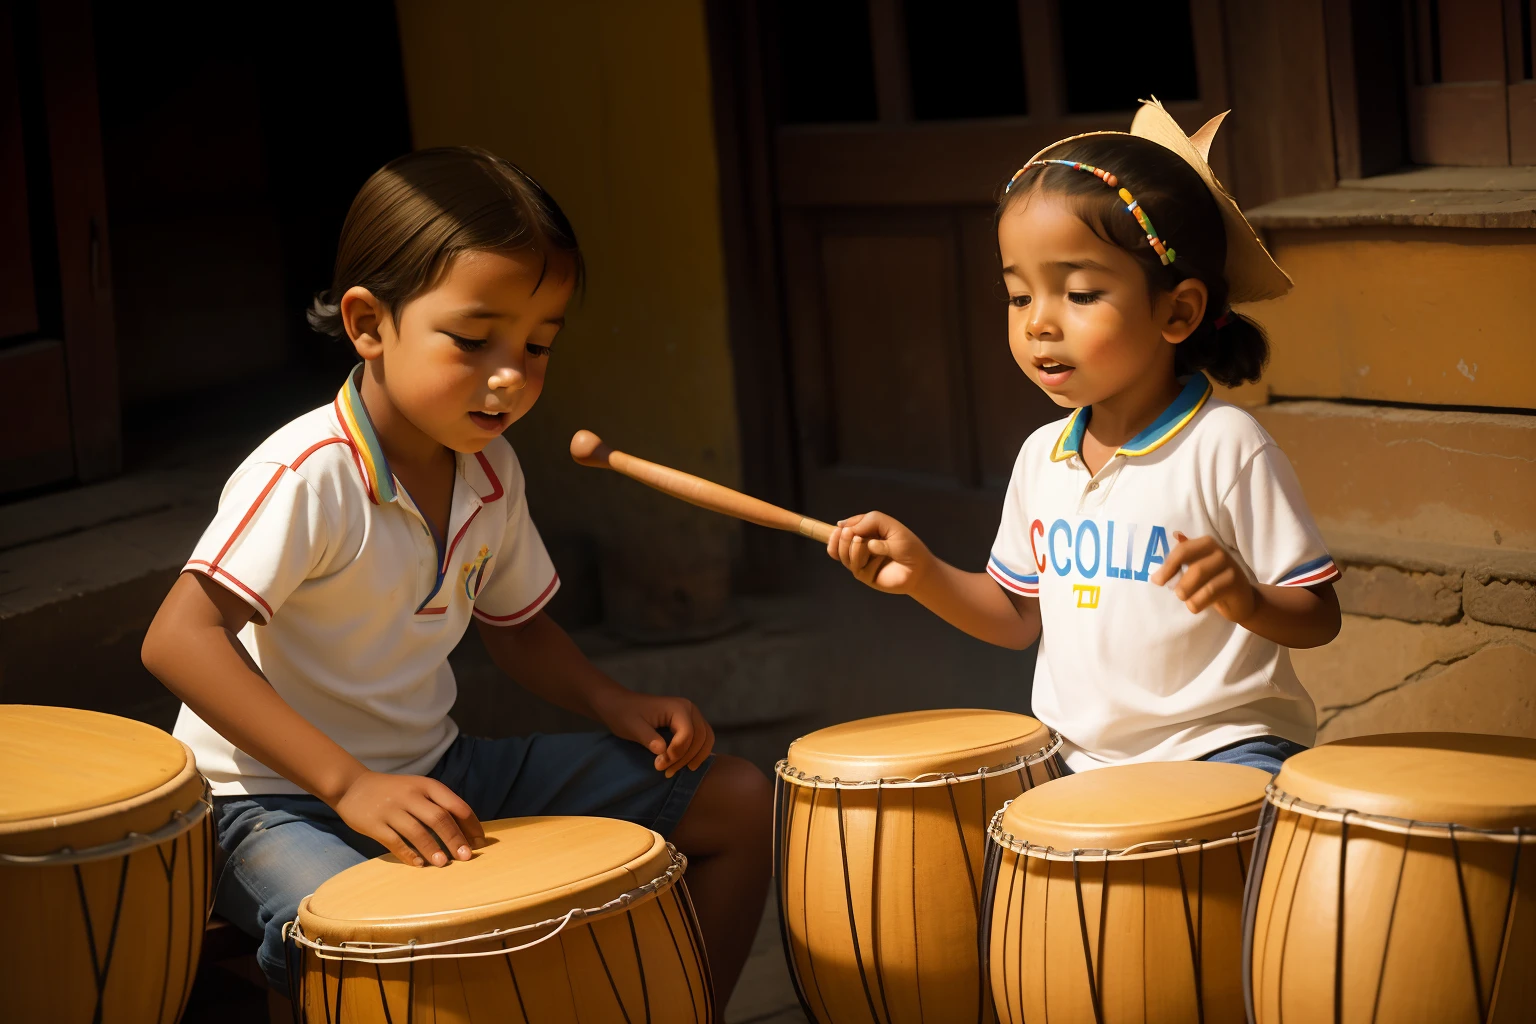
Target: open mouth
1053 372
489 420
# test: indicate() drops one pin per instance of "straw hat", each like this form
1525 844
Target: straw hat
1251 272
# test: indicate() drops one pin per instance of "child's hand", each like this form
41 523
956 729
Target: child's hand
638 716
1212 578
410 815
903 560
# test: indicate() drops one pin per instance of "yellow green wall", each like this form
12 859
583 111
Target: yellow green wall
608 105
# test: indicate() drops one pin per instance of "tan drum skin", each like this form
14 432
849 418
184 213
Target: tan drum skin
879 883
98 925
1115 895
645 962
1438 924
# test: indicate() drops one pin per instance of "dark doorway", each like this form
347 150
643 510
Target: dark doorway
233 140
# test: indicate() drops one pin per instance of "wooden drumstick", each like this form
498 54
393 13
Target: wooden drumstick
589 450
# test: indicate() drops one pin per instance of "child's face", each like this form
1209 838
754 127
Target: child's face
465 359
1082 322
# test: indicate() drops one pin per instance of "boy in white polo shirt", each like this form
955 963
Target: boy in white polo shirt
1156 541
309 634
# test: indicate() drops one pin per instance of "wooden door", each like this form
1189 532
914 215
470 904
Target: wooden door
58 369
893 127
1471 87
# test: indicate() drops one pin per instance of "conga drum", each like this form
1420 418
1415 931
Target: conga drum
105 850
552 921
880 833
1395 881
1116 895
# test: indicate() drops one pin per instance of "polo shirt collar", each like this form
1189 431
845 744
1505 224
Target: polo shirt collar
358 426
1173 419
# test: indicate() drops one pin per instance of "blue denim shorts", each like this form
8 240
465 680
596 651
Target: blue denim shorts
1266 752
281 847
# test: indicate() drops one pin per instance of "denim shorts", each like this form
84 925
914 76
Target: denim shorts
1266 752
281 847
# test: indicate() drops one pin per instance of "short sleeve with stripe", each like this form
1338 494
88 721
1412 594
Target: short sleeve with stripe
268 536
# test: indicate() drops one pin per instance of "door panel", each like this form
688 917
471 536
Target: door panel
890 319
905 396
35 444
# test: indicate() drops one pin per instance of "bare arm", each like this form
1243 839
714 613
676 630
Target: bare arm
192 648
969 601
542 659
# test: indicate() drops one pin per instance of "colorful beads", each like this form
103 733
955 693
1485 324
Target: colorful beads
1164 253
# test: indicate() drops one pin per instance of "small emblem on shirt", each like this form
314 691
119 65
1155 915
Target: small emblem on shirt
472 574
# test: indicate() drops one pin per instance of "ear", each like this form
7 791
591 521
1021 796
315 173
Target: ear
366 319
1183 308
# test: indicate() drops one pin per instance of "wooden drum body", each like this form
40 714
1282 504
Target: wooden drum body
1396 881
880 835
1116 895
105 851
553 921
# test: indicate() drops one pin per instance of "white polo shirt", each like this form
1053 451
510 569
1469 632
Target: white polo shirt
1124 671
356 602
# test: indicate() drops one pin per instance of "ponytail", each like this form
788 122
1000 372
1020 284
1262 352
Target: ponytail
1230 354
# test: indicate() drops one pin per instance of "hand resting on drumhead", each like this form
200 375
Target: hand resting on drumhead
969 601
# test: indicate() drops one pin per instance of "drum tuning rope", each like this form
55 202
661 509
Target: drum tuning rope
1400 826
410 952
180 821
1137 851
927 780
868 957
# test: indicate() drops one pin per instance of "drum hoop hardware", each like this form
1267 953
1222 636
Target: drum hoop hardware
928 780
1398 826
1139 851
181 821
408 952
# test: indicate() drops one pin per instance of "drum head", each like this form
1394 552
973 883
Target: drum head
530 870
80 778
1461 778
1112 808
916 743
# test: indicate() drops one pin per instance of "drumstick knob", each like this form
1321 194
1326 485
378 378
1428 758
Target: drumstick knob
588 449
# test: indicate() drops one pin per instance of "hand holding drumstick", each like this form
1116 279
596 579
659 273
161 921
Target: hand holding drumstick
876 548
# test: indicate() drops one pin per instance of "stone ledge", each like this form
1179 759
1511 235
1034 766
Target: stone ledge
1382 591
1461 197
1419 489
1383 675
1501 602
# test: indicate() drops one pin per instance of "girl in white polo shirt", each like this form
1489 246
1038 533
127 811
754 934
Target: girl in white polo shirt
1155 541
310 632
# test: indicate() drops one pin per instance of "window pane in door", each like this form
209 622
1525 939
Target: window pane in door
1117 52
965 60
826 64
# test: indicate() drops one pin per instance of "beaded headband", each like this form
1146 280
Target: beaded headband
1165 253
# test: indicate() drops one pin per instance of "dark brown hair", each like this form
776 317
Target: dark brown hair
1187 219
419 211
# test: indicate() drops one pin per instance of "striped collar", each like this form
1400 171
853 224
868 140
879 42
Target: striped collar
1172 420
377 476
358 426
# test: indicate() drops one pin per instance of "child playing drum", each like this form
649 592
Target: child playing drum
309 633
1156 540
